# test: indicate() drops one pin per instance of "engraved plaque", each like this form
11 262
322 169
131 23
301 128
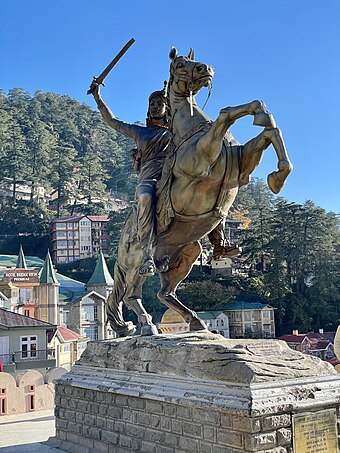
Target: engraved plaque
315 432
267 347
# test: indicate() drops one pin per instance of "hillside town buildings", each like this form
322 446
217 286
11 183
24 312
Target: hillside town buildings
79 237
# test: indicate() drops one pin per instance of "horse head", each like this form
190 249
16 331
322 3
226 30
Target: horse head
188 76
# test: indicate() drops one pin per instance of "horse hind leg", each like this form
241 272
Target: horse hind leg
170 280
114 309
133 300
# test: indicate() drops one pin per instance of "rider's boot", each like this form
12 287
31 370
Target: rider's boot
221 251
147 268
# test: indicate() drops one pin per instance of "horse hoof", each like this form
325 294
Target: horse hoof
148 330
129 330
197 324
264 119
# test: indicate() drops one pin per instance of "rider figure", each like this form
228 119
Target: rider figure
152 148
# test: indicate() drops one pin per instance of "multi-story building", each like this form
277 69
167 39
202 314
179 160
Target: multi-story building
78 237
320 344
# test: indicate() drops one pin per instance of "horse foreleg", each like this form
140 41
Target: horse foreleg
252 153
170 280
210 144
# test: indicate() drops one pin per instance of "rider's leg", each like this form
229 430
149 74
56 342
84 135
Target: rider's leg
252 153
145 196
221 246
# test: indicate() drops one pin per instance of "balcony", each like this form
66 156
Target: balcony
28 360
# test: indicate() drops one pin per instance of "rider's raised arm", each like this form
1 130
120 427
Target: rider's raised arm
129 130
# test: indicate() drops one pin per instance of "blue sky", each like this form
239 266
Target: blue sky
285 52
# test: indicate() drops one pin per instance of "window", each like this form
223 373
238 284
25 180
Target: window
60 226
70 226
26 312
67 347
61 234
70 234
91 332
28 347
61 244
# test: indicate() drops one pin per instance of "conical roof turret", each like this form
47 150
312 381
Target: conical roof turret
21 261
101 274
48 274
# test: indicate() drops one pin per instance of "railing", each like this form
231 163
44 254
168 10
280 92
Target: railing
27 356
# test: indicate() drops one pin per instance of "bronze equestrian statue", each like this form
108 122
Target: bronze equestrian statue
201 177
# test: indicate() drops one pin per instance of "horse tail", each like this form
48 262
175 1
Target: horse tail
115 303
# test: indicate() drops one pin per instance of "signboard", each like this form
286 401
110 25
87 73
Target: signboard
22 277
315 432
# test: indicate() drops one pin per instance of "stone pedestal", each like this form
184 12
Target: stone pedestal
196 392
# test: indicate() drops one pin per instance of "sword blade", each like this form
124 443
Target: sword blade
100 79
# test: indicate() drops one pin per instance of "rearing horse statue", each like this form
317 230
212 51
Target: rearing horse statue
200 181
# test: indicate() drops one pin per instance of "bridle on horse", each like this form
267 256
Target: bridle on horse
191 81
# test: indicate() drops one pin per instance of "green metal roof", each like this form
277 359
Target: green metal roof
21 261
241 305
11 261
48 274
209 314
101 274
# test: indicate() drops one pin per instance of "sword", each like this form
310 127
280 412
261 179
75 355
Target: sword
100 79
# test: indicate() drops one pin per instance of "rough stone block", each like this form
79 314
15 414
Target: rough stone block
124 441
136 403
136 444
83 406
154 407
246 424
135 431
76 428
109 437
71 437
154 436
148 447
206 417
219 449
121 400
101 423
229 438
184 412
119 427
94 433
192 429
114 412
176 426
169 410
70 415
100 447
155 421
171 439
93 408
61 424
166 423
284 436
103 409
188 445
260 441
209 433
276 421
162 449
90 420
226 421
205 447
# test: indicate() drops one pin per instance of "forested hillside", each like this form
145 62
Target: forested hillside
54 141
